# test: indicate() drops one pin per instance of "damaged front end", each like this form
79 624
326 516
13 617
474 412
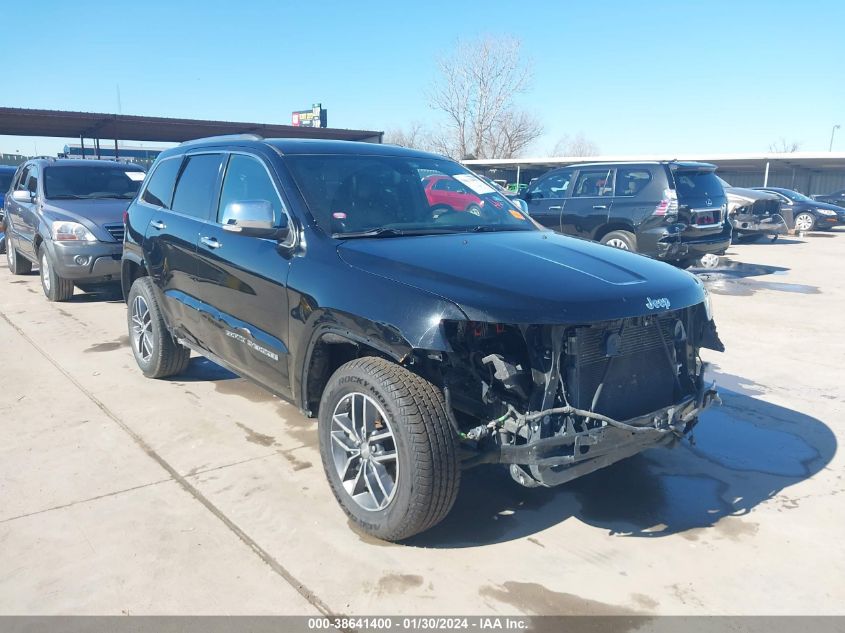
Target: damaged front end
560 401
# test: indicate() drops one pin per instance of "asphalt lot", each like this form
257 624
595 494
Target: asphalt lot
204 495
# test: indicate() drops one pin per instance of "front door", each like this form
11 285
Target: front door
242 280
589 205
545 198
24 215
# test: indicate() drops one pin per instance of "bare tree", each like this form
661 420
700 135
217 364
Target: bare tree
475 91
579 145
781 146
416 136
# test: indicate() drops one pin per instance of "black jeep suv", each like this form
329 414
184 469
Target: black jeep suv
66 217
425 340
674 211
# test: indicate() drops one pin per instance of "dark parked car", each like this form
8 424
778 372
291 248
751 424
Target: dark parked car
754 214
7 172
808 214
425 342
674 211
66 216
836 198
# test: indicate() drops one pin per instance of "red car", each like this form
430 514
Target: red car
446 193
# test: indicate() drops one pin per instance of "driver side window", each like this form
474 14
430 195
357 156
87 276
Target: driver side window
552 186
247 179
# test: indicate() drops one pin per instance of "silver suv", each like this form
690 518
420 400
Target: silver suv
66 217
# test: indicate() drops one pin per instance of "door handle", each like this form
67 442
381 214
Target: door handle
211 242
600 206
158 224
555 208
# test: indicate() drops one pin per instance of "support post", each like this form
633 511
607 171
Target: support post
82 146
517 178
766 175
116 153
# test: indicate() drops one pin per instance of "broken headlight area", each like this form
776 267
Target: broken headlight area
558 401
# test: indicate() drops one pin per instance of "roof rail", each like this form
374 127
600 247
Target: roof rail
224 138
43 158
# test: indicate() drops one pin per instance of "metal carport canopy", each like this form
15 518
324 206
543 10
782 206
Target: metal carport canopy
95 125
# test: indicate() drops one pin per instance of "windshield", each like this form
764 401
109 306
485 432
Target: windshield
5 181
362 196
724 182
794 195
69 183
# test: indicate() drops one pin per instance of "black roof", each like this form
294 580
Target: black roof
294 146
682 164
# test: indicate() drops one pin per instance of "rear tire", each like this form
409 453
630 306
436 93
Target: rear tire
388 450
18 264
55 288
623 240
474 209
156 352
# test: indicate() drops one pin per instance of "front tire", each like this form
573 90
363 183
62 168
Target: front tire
805 222
388 450
18 264
623 240
55 288
156 352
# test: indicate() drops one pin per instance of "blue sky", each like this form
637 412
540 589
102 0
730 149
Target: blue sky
635 77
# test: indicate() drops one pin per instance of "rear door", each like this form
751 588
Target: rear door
702 204
173 232
637 192
546 196
587 208
242 280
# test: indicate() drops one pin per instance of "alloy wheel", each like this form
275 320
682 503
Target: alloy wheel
142 328
45 272
363 450
804 222
615 242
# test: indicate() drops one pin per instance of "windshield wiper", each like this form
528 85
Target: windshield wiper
482 228
116 196
379 232
385 231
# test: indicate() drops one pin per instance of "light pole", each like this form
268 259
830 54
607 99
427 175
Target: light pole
832 132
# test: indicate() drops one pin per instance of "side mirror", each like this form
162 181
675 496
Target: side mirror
522 204
23 195
253 218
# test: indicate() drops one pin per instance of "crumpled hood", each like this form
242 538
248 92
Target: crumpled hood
745 196
91 213
527 277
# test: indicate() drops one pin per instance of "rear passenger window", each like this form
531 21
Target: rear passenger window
247 179
630 181
159 190
594 183
197 185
